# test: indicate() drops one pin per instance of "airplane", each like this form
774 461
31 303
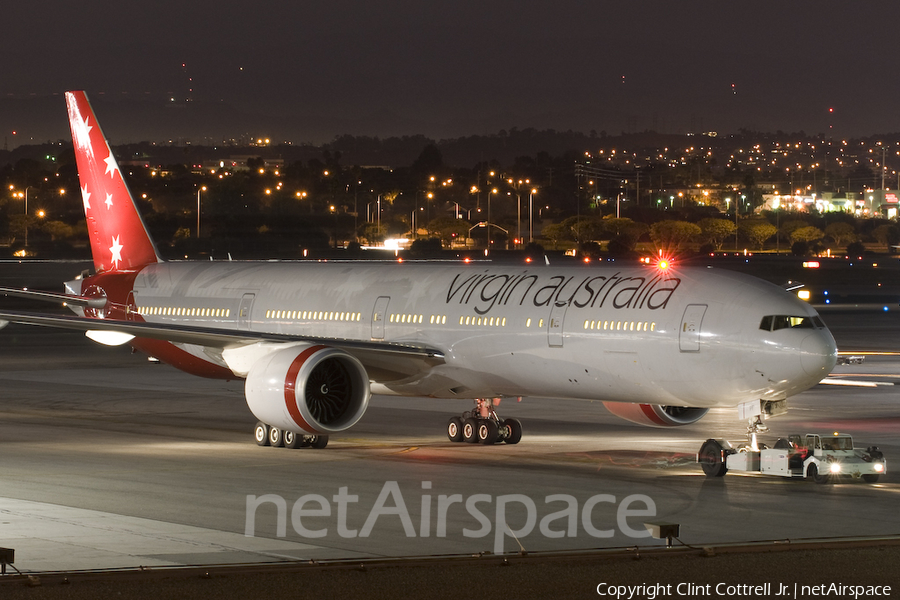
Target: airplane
659 345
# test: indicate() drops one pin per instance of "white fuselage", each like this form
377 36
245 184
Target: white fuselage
680 337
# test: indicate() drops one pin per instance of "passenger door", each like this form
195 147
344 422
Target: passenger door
691 322
379 314
245 310
555 325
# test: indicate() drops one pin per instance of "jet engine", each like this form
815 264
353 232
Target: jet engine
308 389
654 415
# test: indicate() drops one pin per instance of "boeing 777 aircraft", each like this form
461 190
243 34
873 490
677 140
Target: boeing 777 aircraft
658 345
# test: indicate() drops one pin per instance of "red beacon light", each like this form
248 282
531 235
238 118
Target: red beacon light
663 264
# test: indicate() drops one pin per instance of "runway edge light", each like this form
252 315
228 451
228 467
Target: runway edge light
7 557
663 530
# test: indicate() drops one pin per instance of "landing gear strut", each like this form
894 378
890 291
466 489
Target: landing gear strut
482 425
755 427
266 435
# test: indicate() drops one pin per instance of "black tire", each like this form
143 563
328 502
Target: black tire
261 434
513 431
454 429
470 430
292 440
318 442
782 444
813 473
871 478
276 437
488 432
712 459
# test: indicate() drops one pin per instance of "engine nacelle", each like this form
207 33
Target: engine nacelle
308 389
654 415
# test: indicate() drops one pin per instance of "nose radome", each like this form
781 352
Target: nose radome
818 353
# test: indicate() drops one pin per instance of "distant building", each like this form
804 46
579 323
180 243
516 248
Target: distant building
871 203
240 163
883 202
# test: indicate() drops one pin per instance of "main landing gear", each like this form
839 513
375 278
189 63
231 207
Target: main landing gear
482 425
266 435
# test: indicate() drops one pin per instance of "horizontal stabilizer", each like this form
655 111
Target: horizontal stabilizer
67 299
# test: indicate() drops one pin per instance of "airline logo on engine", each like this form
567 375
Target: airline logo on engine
485 290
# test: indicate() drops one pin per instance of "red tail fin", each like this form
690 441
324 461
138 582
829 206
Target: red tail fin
119 238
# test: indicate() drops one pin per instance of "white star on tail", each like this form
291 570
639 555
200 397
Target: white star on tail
108 202
116 250
86 198
111 166
82 133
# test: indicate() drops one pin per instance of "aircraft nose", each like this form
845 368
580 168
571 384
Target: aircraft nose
818 353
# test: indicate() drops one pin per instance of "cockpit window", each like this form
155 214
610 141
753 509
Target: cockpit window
776 322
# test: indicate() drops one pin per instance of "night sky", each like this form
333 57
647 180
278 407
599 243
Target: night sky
457 68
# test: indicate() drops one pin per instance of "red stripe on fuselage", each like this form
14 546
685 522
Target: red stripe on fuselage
181 360
290 384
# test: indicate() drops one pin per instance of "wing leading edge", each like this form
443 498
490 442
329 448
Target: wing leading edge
411 358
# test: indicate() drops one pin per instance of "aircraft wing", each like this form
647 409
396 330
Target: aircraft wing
223 338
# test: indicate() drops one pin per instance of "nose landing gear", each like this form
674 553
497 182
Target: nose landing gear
483 425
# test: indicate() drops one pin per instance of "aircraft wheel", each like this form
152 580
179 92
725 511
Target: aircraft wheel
454 429
470 431
813 473
488 432
870 478
711 459
513 431
276 437
292 440
318 441
261 434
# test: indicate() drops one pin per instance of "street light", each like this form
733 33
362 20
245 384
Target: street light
333 210
531 214
201 188
25 196
493 191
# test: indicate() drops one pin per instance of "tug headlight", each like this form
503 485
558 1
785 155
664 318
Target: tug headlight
878 467
835 467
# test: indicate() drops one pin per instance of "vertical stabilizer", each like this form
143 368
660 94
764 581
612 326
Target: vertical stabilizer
119 237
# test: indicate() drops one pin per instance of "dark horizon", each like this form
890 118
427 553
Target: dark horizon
402 68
